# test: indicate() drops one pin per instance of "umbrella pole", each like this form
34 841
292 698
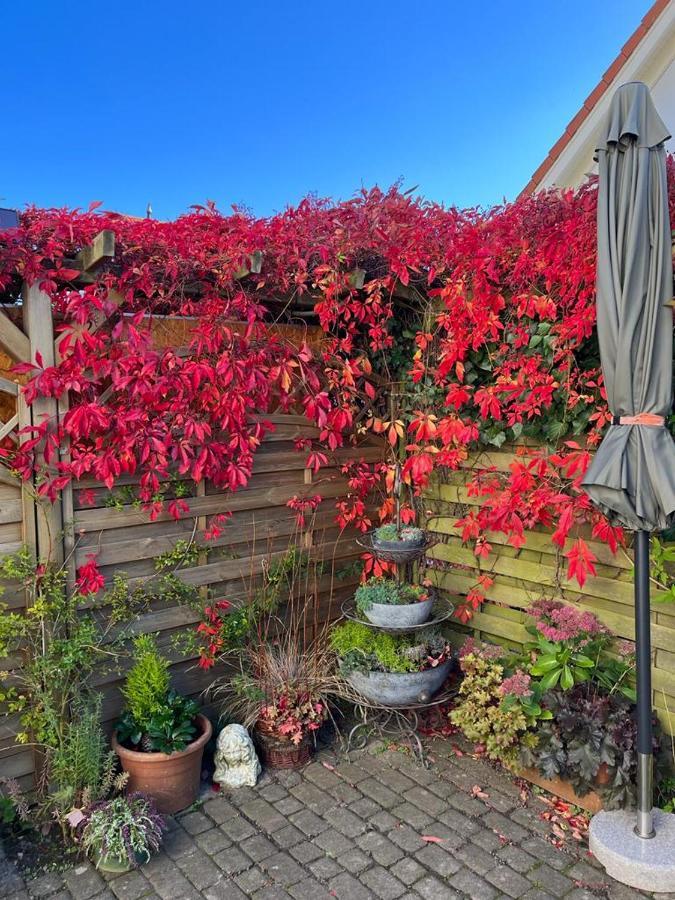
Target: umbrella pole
645 825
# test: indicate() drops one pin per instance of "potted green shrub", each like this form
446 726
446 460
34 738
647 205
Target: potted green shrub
385 601
122 833
390 669
161 735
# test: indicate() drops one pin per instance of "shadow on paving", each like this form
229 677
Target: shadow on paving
374 826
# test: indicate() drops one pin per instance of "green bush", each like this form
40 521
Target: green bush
147 685
364 649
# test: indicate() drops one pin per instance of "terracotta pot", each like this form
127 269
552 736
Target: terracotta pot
278 752
171 779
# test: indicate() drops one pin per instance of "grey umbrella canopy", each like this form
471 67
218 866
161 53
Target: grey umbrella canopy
632 477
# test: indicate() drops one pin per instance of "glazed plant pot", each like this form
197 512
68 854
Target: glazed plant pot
399 688
390 615
279 752
171 779
107 863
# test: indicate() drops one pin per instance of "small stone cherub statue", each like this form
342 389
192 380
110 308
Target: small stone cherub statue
236 760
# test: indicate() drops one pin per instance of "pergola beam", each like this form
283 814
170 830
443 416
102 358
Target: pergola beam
13 341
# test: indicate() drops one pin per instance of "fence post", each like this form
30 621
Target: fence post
39 327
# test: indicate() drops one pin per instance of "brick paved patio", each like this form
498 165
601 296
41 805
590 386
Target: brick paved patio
352 833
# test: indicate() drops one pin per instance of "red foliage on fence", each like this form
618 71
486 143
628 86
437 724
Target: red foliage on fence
504 348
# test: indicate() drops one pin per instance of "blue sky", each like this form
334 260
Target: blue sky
259 103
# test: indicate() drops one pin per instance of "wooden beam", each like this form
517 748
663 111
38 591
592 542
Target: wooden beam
9 387
6 427
13 341
102 247
39 325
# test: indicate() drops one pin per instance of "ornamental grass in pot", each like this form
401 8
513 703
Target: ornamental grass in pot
281 694
161 735
386 601
392 669
122 833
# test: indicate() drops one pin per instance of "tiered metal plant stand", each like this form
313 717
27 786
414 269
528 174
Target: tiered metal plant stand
391 721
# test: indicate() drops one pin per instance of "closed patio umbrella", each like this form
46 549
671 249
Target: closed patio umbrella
632 477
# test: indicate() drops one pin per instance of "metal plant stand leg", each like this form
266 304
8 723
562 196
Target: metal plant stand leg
386 723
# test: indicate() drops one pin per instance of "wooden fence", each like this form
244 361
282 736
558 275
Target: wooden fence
124 540
536 570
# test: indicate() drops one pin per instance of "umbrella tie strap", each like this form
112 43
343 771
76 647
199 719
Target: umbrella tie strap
640 419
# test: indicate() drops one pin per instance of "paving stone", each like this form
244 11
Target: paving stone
324 869
345 821
475 858
306 852
171 884
213 841
487 839
224 889
219 810
383 820
195 822
252 880
178 843
310 796
365 808
530 820
333 842
345 793
466 804
380 848
438 860
516 857
407 870
265 816
411 814
130 886
288 836
406 838
237 828
346 887
274 792
283 869
472 885
426 800
537 894
232 861
84 881
354 861
308 822
382 883
432 889
377 791
508 881
549 879
309 889
272 893
289 778
45 884
258 847
505 826
199 869
546 852
288 806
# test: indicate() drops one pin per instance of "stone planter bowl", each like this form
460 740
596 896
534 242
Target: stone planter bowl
390 615
399 688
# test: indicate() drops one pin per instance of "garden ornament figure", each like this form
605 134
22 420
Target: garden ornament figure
236 761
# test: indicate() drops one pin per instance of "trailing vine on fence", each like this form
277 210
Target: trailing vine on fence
487 317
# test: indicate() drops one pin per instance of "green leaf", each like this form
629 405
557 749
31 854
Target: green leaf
566 679
584 661
549 681
544 664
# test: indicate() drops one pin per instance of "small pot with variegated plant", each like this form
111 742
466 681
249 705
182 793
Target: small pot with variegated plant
122 833
161 735
388 602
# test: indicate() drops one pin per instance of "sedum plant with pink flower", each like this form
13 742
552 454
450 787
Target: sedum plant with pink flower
571 646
